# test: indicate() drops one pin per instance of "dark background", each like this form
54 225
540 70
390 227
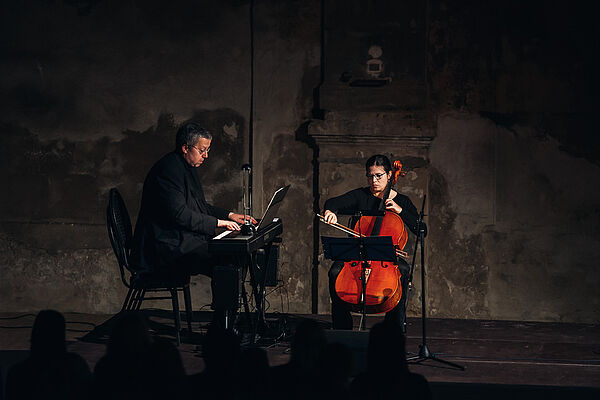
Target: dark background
491 106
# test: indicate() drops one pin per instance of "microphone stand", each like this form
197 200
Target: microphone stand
424 352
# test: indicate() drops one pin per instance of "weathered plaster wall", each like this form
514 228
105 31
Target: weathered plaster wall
513 166
287 59
490 106
92 97
515 221
510 173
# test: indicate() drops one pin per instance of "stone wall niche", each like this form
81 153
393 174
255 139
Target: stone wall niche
344 145
373 100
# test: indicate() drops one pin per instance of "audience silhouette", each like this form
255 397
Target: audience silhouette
135 366
300 377
124 371
221 351
167 376
255 376
387 374
335 371
50 372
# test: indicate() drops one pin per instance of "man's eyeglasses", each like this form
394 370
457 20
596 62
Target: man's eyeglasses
376 176
205 151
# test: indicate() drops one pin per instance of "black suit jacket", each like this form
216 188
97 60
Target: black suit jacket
174 217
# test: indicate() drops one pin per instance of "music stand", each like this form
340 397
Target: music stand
363 248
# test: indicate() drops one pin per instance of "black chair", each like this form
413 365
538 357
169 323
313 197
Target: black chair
139 284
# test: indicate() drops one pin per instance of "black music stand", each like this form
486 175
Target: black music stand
363 248
424 353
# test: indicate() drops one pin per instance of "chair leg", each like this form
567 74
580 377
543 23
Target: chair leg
188 306
139 300
127 300
175 300
135 294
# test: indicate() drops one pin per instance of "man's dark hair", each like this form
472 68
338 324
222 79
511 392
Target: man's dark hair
189 134
379 160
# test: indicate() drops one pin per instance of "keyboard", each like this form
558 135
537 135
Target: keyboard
235 242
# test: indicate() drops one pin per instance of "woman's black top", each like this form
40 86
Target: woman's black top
362 199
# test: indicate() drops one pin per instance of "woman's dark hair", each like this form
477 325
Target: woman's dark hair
189 134
379 160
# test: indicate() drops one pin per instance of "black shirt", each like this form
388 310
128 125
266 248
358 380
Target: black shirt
362 199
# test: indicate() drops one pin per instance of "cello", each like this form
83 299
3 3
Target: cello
383 287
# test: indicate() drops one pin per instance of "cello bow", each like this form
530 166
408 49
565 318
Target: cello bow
354 233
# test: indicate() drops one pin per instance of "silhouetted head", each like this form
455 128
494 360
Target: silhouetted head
165 361
255 358
337 362
254 365
387 348
129 336
221 348
308 345
48 334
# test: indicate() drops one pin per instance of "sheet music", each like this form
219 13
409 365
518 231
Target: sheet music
221 235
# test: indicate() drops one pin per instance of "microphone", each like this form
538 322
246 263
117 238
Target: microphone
247 227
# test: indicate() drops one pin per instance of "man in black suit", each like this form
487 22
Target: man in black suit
175 221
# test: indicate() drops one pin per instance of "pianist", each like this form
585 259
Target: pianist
175 221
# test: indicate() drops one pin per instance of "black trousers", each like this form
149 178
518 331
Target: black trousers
223 270
340 310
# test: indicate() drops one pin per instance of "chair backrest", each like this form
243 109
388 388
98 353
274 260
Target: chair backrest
119 231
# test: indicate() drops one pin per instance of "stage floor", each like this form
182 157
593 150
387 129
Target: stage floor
525 355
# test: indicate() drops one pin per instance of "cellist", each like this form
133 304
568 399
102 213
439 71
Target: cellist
379 173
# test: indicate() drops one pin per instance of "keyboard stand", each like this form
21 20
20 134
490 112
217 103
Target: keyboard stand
246 247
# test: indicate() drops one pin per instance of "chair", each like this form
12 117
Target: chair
139 284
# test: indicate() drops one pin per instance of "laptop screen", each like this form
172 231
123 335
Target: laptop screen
272 208
268 216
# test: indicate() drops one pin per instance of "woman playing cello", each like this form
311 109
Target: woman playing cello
378 173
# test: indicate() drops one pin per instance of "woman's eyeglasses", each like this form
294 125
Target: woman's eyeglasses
376 176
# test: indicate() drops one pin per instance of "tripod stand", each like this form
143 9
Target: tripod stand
424 352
